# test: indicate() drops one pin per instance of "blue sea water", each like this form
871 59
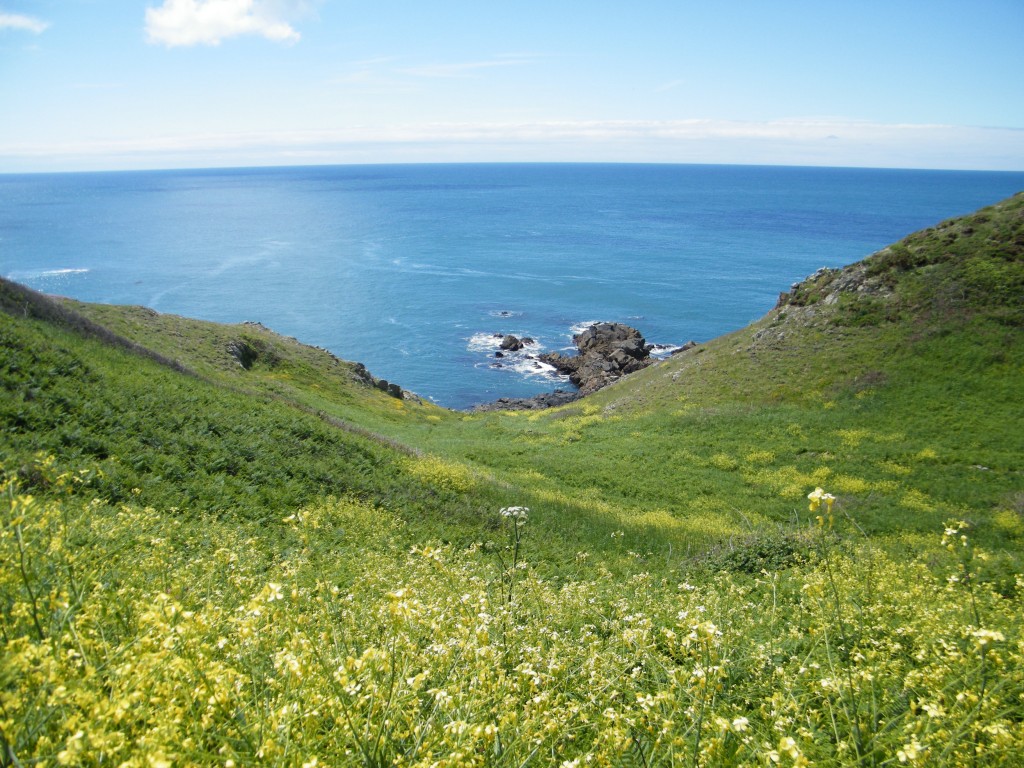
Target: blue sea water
412 269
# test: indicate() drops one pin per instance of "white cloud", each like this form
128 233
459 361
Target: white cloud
20 22
208 22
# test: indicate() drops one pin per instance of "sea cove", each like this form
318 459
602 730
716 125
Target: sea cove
413 269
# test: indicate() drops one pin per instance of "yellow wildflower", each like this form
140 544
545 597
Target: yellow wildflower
815 497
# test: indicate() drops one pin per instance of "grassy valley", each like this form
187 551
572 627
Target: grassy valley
220 546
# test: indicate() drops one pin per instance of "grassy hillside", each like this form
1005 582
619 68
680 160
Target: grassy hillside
220 546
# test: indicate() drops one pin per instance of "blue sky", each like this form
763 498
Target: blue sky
112 84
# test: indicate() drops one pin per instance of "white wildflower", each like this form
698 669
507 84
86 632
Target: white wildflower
516 513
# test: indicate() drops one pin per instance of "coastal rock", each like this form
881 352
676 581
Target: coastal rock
535 403
566 365
685 348
361 374
510 343
388 388
826 285
607 352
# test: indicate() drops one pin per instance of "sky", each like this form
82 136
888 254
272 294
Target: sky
138 84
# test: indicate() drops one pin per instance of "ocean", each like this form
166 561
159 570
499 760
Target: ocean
413 269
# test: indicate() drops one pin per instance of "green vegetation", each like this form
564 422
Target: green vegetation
219 546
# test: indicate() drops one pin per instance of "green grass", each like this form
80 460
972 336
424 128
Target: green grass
237 549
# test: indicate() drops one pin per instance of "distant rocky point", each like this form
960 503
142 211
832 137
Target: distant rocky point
606 353
535 403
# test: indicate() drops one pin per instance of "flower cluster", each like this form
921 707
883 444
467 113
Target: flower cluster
817 497
518 514
953 534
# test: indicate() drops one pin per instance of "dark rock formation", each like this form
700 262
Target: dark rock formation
510 343
607 352
537 402
361 374
392 389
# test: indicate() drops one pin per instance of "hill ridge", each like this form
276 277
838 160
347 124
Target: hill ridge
17 299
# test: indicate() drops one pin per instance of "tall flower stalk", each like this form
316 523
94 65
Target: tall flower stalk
518 516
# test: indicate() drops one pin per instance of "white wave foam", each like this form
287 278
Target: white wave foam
523 362
484 342
42 274
491 342
664 350
581 327
526 367
531 367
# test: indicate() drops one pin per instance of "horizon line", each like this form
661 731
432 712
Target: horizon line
407 163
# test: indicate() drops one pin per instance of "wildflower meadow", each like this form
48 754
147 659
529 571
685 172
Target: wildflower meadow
134 637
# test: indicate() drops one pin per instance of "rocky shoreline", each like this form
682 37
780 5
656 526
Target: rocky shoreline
606 353
535 403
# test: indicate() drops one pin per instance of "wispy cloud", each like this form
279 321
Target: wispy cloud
830 142
393 74
670 86
208 22
376 72
97 86
467 68
373 63
22 23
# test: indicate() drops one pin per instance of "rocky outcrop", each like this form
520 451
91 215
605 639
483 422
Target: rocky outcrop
361 374
388 388
510 343
364 377
826 285
607 352
535 403
691 344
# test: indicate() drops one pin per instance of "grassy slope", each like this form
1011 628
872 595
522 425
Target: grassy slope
189 441
202 549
